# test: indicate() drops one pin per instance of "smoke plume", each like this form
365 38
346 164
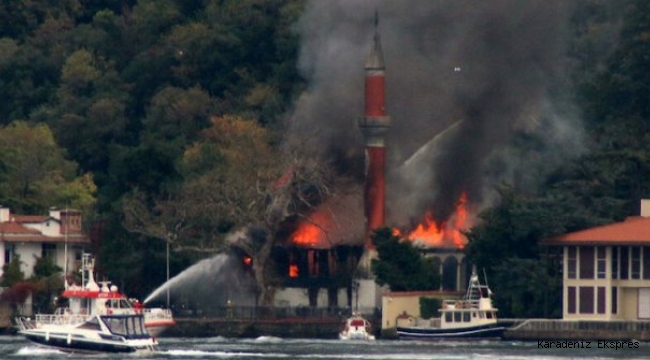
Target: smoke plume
475 90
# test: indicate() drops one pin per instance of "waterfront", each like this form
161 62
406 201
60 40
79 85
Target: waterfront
15 347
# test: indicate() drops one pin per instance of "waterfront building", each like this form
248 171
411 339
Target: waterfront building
606 270
57 236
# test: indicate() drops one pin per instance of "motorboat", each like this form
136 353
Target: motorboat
356 328
91 333
97 318
472 316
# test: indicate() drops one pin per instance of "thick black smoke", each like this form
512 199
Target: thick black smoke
479 75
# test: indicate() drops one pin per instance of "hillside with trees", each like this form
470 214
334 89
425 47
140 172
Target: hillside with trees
162 120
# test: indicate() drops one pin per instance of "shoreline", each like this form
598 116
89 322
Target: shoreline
328 328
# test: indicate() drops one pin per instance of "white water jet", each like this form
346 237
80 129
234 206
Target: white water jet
210 282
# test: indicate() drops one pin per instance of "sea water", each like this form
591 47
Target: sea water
15 347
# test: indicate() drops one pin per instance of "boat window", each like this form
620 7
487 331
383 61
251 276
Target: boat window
488 315
466 317
474 314
130 325
91 324
142 330
125 304
448 317
456 316
116 325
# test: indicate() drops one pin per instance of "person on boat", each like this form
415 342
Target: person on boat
137 305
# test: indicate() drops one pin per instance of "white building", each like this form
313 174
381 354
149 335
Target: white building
606 270
35 236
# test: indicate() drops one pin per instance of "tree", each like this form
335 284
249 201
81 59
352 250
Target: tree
11 273
237 178
401 266
38 175
47 282
527 288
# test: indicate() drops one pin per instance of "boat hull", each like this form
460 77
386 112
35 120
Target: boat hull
72 344
155 329
356 336
480 331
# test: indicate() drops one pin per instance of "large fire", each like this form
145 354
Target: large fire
312 232
445 234
307 234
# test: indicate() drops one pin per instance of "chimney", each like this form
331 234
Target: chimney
374 125
5 214
645 207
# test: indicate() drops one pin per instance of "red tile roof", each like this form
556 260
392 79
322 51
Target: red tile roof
16 232
31 218
632 231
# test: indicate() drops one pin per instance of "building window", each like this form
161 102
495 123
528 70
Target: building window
636 262
615 262
646 262
586 300
614 300
571 264
601 262
586 262
625 263
48 251
10 252
601 300
571 301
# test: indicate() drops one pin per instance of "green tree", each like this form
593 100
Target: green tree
38 175
47 282
401 266
11 272
236 179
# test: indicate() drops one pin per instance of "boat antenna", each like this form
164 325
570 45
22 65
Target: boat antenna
485 277
65 248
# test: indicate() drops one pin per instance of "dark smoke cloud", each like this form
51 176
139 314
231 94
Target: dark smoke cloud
479 75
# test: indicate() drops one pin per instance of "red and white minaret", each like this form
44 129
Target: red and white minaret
374 125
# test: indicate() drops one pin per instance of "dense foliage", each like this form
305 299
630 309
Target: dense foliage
125 88
122 106
401 266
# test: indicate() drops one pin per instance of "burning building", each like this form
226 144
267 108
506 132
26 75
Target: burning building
321 254
331 249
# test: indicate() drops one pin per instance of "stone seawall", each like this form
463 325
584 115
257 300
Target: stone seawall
323 328
545 329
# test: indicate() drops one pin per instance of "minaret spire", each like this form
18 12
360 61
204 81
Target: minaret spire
374 126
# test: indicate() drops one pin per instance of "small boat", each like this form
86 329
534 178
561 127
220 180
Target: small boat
96 319
92 333
473 316
356 328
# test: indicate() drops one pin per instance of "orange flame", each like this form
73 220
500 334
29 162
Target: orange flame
307 234
445 234
293 270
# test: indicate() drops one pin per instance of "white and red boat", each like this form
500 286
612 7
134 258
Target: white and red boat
106 309
356 328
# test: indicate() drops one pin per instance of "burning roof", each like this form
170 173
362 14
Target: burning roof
338 221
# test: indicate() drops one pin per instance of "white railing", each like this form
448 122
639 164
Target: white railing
157 313
65 319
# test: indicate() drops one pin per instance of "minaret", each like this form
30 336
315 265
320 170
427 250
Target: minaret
374 125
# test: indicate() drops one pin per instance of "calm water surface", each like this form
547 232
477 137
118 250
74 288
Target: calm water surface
15 347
